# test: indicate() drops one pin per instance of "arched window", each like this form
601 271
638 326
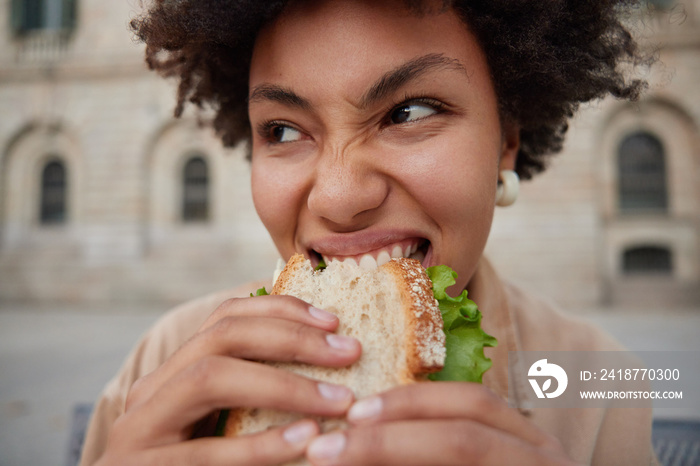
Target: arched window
647 260
642 174
33 15
195 193
662 4
53 193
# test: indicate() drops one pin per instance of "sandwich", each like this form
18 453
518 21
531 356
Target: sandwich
411 331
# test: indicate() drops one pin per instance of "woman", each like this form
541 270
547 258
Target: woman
372 125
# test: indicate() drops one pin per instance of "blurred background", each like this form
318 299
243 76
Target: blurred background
112 211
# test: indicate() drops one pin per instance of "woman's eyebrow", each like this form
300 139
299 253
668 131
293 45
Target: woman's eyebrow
278 94
386 85
393 80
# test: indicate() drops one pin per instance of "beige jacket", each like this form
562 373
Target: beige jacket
520 323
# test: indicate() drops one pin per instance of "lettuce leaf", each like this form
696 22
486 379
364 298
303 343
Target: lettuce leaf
259 292
321 265
221 423
465 340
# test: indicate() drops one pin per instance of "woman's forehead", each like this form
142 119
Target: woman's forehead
308 11
330 39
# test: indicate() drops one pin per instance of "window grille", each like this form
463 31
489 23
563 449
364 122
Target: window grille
34 15
53 193
642 174
195 200
647 260
662 4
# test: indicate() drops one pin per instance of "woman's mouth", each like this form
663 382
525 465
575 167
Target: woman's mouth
414 248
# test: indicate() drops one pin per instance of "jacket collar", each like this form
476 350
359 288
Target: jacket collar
489 292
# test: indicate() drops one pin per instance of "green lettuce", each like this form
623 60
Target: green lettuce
221 423
259 292
465 340
321 265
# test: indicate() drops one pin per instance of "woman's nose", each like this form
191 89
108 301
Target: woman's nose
346 190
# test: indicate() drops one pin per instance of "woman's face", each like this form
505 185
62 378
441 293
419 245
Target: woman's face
375 133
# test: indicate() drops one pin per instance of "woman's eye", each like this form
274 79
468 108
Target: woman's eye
411 112
281 133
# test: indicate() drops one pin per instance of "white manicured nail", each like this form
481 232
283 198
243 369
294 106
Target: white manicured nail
334 392
365 409
300 433
320 314
340 342
327 446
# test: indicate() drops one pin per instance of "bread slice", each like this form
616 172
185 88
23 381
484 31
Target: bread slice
391 310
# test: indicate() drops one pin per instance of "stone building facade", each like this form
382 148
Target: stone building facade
105 197
596 230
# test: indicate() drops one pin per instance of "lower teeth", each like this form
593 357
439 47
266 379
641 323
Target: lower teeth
418 255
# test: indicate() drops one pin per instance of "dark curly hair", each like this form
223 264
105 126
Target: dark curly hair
545 57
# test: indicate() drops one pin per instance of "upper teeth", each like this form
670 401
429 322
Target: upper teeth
383 258
368 262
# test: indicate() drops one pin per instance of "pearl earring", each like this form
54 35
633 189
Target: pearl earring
508 188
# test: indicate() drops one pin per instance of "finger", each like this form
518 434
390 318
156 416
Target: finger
448 400
278 306
219 382
255 338
274 446
273 339
435 442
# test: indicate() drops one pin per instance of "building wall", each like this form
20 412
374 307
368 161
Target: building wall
566 235
90 100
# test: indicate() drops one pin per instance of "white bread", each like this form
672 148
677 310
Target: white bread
391 310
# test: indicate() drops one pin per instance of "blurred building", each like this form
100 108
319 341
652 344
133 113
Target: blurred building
615 220
104 196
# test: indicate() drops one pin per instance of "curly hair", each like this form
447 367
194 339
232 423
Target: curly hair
545 58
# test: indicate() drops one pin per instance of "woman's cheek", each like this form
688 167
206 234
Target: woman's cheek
274 196
452 176
455 183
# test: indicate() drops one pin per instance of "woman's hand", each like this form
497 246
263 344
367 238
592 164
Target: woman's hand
437 423
215 370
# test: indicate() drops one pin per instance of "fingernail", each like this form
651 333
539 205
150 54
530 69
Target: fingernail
365 409
327 446
334 392
300 433
322 315
341 342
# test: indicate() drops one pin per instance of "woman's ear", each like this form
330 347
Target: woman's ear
510 146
